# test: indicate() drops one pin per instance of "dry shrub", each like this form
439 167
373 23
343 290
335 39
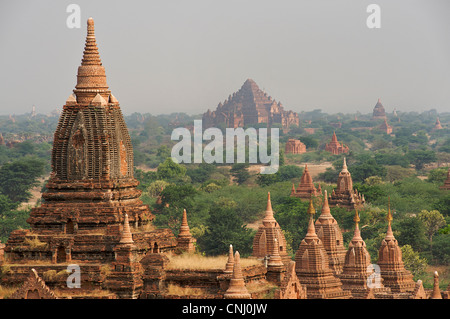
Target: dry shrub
198 262
176 290
5 292
34 243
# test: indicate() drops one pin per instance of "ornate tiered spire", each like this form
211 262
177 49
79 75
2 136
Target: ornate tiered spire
126 237
91 77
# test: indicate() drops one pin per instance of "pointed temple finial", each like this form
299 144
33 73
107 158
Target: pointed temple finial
325 207
269 219
91 76
389 217
126 237
230 262
311 233
344 166
311 209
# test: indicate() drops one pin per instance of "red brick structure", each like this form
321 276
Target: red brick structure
437 125
330 234
33 288
334 147
344 195
267 232
393 271
237 289
91 191
446 185
185 241
312 267
357 271
249 106
125 279
378 111
294 146
306 187
290 287
385 127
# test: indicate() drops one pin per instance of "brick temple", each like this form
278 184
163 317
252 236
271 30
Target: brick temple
334 147
249 106
306 187
344 195
294 146
378 111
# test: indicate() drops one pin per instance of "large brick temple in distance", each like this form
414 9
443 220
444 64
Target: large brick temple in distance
91 218
249 106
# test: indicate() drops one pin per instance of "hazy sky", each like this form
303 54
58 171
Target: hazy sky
188 55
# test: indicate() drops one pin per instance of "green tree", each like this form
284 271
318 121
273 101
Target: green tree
240 173
432 220
412 261
224 227
169 169
18 177
421 157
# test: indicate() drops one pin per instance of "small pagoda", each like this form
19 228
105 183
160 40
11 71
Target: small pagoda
344 195
392 269
336 148
358 275
378 111
312 266
267 233
330 234
306 187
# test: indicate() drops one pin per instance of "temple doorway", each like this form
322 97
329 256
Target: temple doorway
61 255
70 227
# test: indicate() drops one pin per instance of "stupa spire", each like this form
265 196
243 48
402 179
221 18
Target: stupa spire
389 218
357 234
269 219
126 237
230 262
325 208
344 166
311 233
91 55
184 228
91 76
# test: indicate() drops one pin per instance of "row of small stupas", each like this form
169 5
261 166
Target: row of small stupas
327 270
344 195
